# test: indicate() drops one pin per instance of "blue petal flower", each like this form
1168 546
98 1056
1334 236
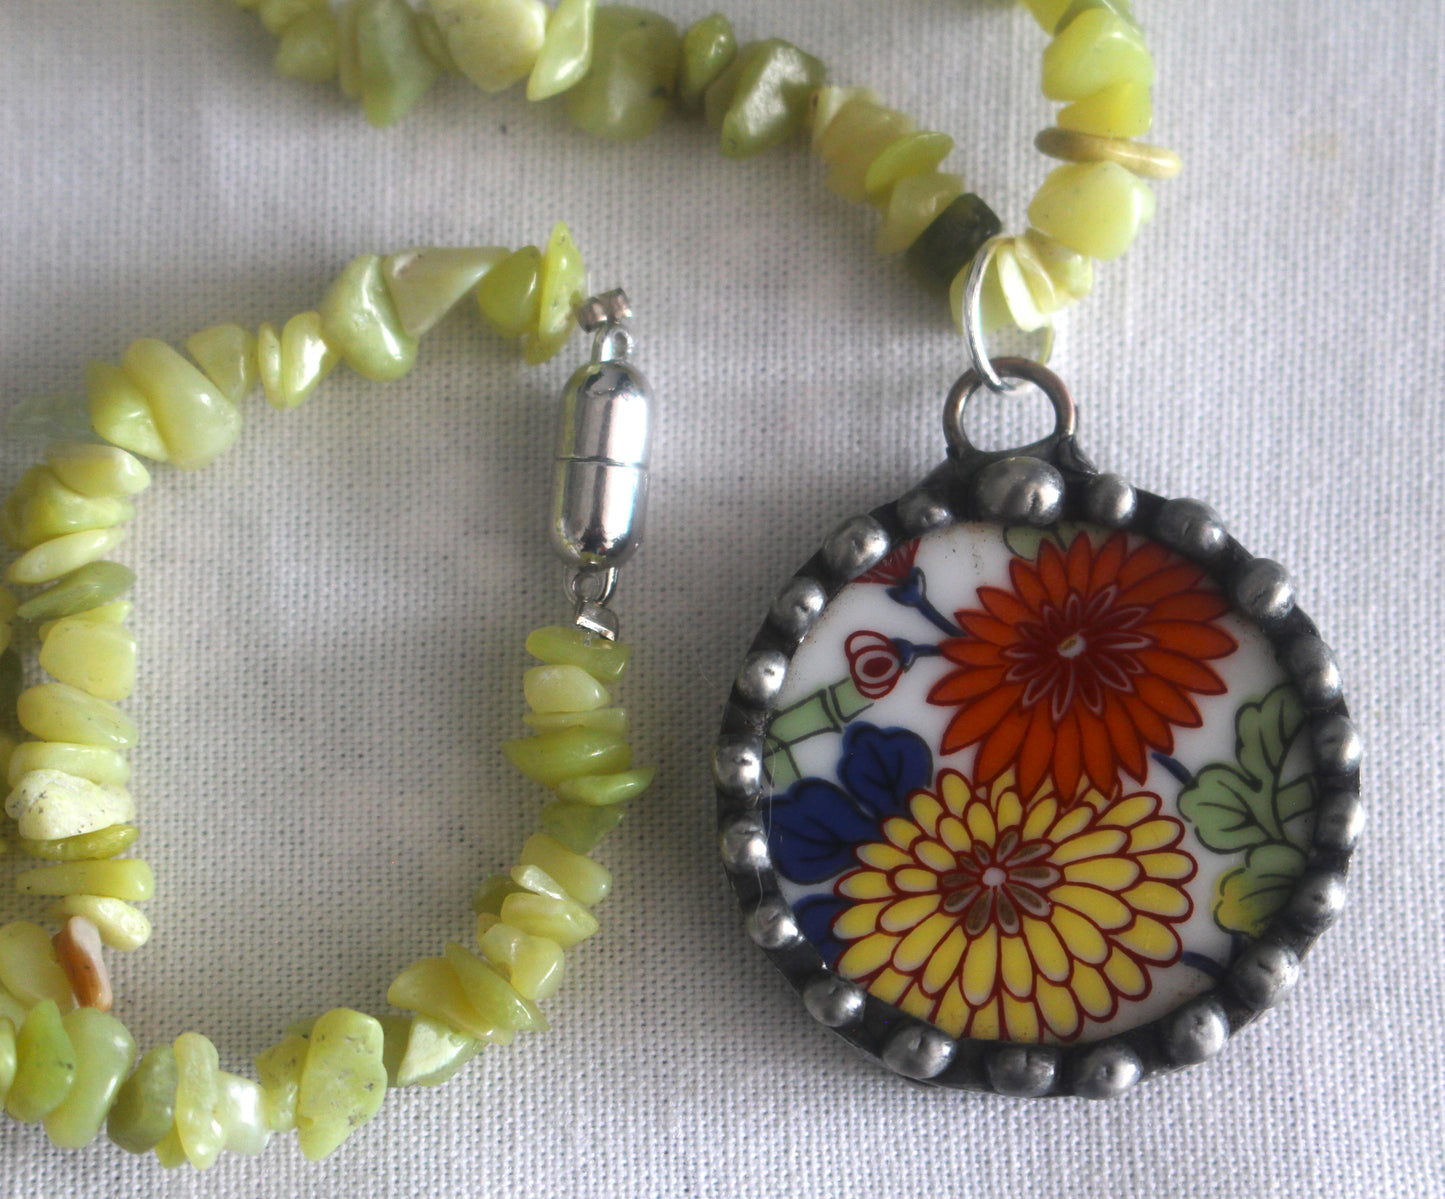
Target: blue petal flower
883 767
814 827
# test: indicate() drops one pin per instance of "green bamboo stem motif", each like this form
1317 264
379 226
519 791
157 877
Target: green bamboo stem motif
827 710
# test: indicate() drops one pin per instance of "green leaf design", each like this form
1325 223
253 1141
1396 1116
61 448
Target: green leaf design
1239 805
1249 895
1025 540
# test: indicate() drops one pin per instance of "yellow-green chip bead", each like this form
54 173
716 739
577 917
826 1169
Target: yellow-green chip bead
343 1081
309 48
626 91
421 1052
97 471
60 712
116 612
104 767
104 1054
395 70
1047 12
198 1094
359 319
120 412
145 1104
509 295
60 556
278 15
427 284
488 896
7 1056
762 99
494 43
13 1010
241 1111
708 49
1096 208
92 586
827 102
918 154
491 994
548 758
196 422
613 721
430 987
534 966
914 204
560 283
83 847
123 878
96 657
1121 110
579 826
1120 8
227 353
562 920
567 51
120 925
570 646
853 141
563 689
583 879
48 805
293 362
170 1153
1097 49
41 508
28 968
279 1071
601 790
44 1064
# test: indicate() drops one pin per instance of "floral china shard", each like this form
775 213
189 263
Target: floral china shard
1036 783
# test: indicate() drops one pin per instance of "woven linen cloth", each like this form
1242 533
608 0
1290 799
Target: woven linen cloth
332 616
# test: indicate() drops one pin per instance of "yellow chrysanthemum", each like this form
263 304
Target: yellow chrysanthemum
997 918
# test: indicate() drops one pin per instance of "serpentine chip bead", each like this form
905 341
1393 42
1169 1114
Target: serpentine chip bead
28 967
1264 592
77 949
1020 491
833 1001
44 1064
797 607
104 1053
771 925
761 99
1191 528
762 677
1138 158
952 240
1314 671
628 88
1196 1032
343 1081
708 49
494 43
918 1050
50 805
1337 745
145 1103
855 546
744 844
1022 1071
1317 901
1264 974
737 767
1106 1071
1339 821
1110 501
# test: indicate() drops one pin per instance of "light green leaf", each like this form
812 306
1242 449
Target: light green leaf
1025 540
1247 896
1237 806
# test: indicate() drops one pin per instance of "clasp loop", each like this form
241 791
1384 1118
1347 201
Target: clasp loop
1057 444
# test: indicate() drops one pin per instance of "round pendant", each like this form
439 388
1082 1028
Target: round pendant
1036 783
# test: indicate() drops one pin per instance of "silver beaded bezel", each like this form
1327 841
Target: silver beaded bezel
1261 593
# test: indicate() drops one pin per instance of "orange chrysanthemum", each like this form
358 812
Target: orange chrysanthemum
997 920
1085 666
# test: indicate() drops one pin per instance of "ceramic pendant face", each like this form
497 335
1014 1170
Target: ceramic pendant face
1042 807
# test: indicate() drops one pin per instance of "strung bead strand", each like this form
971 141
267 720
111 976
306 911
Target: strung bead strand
65 1061
618 70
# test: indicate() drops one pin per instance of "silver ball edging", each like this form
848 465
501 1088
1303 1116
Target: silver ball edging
1311 664
1196 1032
737 767
1110 501
918 1050
1264 975
833 1001
857 545
1192 528
762 676
1106 1071
1022 1071
1020 491
1264 592
771 924
798 606
1317 901
1339 821
1337 746
744 845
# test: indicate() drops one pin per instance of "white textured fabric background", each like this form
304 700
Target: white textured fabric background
332 616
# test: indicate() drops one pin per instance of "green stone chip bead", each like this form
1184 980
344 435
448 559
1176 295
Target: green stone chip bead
510 295
7 1056
763 96
625 93
427 284
567 52
612 721
430 987
227 353
583 879
548 758
13 1010
309 48
89 587
488 896
196 422
395 70
120 412
278 15
562 920
104 1054
170 1153
198 1095
568 645
84 847
98 658
1096 208
494 43
121 926
241 1111
708 49
41 508
1096 49
293 361
534 966
123 878
359 319
60 712
145 1105
422 1052
279 1071
44 1064
560 284
1120 8
912 155
491 994
579 826
343 1081
28 969
601 790
563 689
951 241
97 471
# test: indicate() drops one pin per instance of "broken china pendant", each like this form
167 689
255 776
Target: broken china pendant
1033 782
